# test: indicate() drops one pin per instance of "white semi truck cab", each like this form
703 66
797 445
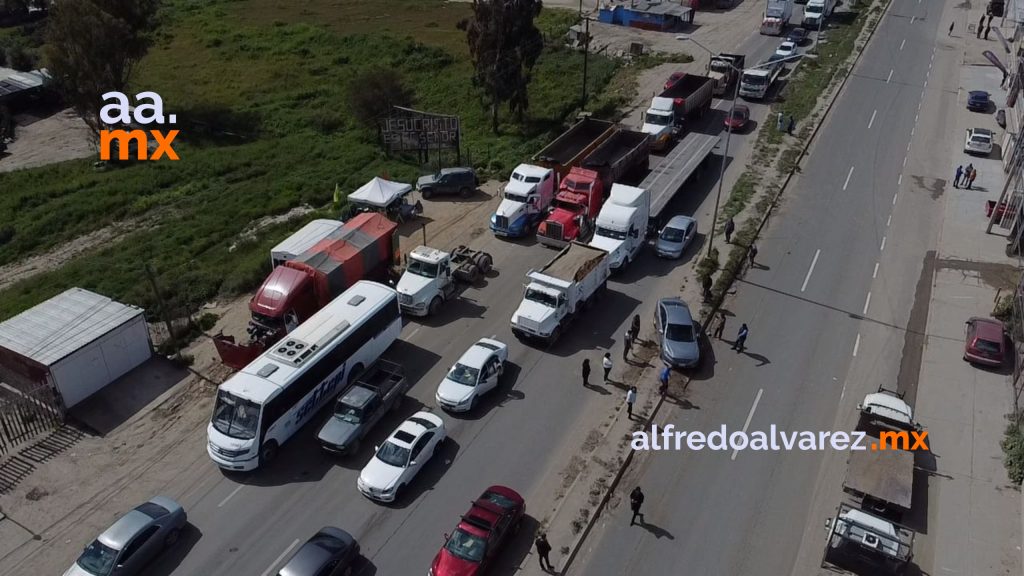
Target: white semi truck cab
621 226
529 192
432 276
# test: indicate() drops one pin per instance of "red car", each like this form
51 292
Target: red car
673 79
985 342
738 119
488 527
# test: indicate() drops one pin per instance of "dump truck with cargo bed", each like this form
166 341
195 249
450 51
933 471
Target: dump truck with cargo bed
725 69
364 248
359 408
558 292
686 99
573 145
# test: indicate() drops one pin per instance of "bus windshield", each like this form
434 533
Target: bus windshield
236 417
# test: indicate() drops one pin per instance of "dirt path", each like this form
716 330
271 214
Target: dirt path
44 140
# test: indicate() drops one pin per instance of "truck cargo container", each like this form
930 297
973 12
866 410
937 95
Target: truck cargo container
688 98
573 145
559 291
365 247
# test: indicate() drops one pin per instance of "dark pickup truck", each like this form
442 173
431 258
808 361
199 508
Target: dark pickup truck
380 389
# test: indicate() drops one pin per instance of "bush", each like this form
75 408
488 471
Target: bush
708 265
19 58
1013 452
1002 311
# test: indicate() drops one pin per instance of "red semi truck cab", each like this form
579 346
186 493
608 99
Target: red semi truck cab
577 204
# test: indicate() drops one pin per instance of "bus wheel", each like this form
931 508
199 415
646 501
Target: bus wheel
268 453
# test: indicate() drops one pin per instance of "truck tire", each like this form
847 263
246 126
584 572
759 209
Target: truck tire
268 452
435 306
465 192
484 262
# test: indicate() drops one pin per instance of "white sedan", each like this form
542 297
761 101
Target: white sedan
785 49
397 461
979 141
475 374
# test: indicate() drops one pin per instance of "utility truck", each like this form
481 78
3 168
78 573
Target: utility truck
755 82
622 225
358 409
725 69
686 99
527 196
557 293
433 276
776 16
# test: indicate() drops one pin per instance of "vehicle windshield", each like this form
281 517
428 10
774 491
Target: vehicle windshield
609 233
464 545
349 413
424 269
987 346
738 114
464 374
659 119
672 235
813 10
570 206
528 179
752 80
544 298
679 333
980 139
393 454
98 559
236 417
515 197
574 185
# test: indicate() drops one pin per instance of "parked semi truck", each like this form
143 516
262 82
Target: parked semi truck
529 192
365 247
686 99
725 69
621 228
558 292
816 12
583 190
358 409
433 276
573 145
755 82
776 16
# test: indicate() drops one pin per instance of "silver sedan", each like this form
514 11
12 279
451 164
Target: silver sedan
676 236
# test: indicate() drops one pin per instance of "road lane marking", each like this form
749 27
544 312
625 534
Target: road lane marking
888 221
745 424
856 346
902 43
890 76
912 19
908 146
281 557
898 183
896 194
233 492
912 130
413 333
904 161
848 174
866 304
875 273
811 269
872 121
882 249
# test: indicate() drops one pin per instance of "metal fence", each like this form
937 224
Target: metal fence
25 415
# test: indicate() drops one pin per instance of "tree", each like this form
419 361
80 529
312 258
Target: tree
93 46
504 45
373 92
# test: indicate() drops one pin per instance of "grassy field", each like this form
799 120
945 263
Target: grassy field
275 75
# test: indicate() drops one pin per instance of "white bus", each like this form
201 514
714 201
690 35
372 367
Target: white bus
261 406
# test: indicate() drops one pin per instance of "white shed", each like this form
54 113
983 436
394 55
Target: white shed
305 238
77 342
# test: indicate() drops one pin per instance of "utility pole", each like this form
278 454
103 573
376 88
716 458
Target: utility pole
163 309
586 55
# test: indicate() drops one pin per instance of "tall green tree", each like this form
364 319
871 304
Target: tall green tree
504 45
93 46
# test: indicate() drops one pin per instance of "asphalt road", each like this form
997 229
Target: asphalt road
519 437
843 252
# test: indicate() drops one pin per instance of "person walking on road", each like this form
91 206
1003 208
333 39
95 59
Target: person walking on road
630 400
586 372
791 125
981 24
741 339
720 328
959 174
635 328
705 285
730 227
606 363
636 500
971 177
752 253
543 549
627 344
663 379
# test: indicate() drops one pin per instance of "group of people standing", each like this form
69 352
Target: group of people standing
965 176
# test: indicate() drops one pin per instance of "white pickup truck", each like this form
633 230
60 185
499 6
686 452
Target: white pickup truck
559 291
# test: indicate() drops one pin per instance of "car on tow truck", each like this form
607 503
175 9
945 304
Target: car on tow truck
491 523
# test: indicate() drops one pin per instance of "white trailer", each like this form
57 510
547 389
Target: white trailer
303 239
566 285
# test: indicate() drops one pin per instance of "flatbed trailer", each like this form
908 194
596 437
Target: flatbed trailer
676 168
884 479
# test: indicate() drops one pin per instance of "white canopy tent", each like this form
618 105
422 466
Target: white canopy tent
379 192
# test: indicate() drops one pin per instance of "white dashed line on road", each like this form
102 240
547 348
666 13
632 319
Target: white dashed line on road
902 43
896 194
867 303
848 174
811 269
233 492
882 249
912 19
745 424
904 161
856 345
872 121
890 76
888 221
898 183
875 273
281 557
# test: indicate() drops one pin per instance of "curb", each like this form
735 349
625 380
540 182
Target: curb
613 485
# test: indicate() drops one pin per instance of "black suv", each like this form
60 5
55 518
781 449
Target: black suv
461 181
